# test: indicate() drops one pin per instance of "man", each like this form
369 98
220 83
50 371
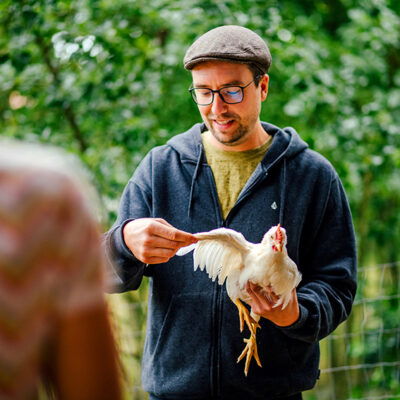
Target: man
237 172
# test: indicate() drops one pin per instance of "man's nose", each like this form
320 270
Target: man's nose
218 105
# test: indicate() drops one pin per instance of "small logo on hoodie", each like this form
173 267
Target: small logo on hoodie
274 206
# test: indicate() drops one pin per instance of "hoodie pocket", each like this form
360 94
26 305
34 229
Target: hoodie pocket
177 355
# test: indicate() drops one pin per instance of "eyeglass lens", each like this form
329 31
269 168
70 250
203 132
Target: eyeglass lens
231 95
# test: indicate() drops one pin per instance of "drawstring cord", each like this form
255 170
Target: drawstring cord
283 193
196 171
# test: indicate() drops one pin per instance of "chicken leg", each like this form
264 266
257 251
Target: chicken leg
250 349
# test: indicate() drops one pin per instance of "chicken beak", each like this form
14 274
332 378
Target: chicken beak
278 247
278 239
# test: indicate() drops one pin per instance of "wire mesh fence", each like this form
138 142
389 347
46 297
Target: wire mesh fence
359 361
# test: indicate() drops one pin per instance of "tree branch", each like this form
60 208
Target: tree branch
67 107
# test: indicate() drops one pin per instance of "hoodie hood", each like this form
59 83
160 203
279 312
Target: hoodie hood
286 143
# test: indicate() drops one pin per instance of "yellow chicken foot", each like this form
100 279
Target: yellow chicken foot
250 351
244 316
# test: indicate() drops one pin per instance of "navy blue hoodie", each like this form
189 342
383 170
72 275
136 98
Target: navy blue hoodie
193 337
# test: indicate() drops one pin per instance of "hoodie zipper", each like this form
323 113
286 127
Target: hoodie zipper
263 175
217 294
244 195
217 317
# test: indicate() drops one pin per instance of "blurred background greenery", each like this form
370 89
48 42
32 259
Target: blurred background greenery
104 80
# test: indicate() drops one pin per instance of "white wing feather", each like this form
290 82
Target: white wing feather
218 251
226 254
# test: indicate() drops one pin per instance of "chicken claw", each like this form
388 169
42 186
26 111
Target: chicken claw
244 316
250 351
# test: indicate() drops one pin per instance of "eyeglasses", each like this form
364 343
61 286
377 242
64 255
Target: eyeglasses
228 94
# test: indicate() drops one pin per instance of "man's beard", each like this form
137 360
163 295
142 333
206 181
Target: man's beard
233 138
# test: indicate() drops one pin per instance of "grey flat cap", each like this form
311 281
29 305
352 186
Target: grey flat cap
229 43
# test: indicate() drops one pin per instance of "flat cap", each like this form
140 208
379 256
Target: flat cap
229 43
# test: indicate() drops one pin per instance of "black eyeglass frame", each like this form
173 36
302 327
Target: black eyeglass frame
193 93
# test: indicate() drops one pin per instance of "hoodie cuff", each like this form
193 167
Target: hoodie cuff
300 321
119 242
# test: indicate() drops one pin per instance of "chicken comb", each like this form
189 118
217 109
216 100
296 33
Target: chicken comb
278 234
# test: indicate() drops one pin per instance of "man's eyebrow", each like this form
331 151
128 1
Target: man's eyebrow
231 83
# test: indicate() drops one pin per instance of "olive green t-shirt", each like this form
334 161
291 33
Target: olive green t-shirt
231 170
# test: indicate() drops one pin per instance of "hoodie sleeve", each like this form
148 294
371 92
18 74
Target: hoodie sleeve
329 283
125 270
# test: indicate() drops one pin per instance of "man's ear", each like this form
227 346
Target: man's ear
264 86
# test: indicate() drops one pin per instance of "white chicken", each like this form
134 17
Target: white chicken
226 254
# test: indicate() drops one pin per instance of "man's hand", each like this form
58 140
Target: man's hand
262 306
154 240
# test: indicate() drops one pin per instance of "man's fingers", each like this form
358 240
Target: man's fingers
162 221
263 300
157 255
154 240
263 293
259 301
169 232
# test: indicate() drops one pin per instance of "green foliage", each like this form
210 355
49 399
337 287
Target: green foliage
104 79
